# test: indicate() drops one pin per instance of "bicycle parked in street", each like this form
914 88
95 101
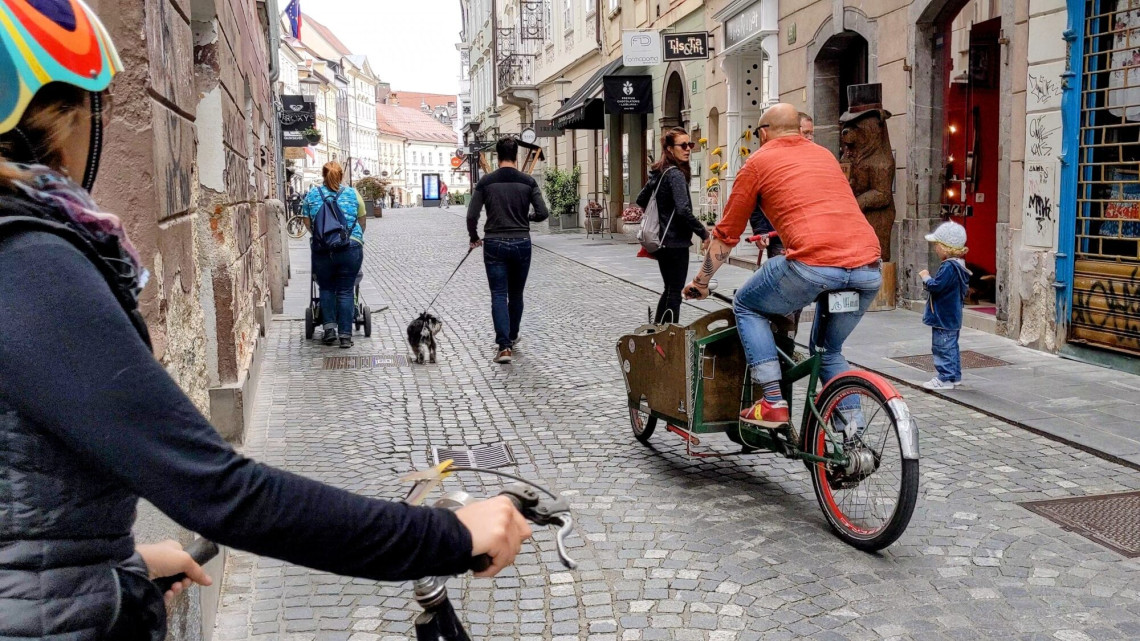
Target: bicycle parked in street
295 223
856 436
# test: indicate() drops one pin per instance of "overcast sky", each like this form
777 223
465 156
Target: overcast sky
409 43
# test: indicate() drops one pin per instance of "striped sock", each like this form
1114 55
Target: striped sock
772 392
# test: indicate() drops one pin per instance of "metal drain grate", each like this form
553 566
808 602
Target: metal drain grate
970 360
364 362
489 456
1112 520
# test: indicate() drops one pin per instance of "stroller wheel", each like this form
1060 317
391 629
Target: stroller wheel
309 324
367 322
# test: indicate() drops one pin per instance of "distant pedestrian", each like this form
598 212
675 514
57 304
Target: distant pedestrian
673 175
944 309
445 195
509 195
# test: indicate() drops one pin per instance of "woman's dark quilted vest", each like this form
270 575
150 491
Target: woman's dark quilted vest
64 527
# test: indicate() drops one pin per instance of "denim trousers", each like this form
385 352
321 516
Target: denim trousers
508 262
336 278
781 287
947 359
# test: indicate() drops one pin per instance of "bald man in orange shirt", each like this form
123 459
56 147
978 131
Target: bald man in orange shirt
829 246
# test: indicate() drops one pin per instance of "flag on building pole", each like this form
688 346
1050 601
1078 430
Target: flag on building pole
293 11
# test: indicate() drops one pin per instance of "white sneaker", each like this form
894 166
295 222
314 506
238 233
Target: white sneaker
938 384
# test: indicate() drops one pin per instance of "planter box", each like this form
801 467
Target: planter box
593 224
370 208
568 221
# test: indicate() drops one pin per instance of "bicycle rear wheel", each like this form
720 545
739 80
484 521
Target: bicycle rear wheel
869 503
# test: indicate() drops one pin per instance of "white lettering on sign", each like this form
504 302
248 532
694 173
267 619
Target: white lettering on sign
691 46
742 25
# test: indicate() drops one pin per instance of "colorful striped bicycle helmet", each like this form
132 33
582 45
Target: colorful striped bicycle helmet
45 41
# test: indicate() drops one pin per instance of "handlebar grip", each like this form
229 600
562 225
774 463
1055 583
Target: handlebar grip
201 550
483 561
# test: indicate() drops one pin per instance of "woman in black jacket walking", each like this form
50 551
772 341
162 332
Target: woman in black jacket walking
678 224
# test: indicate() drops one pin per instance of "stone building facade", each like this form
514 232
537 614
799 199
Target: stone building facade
190 164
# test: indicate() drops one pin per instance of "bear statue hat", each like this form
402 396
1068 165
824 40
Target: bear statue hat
862 101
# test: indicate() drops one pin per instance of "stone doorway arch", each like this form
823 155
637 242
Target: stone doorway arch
674 98
837 58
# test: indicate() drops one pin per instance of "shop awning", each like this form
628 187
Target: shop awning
585 109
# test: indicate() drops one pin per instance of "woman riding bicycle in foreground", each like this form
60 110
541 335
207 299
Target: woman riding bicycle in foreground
90 421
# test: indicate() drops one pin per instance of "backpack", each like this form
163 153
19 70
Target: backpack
650 235
330 227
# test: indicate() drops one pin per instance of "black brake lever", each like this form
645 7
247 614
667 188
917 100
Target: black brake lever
540 510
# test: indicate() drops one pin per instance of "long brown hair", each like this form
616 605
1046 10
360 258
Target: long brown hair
51 119
668 139
333 173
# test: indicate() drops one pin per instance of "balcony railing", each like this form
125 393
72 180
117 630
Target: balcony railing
516 70
516 59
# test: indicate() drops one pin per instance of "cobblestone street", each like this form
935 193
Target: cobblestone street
669 548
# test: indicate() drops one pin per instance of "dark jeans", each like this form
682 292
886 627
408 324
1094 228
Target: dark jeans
947 359
336 277
674 265
508 263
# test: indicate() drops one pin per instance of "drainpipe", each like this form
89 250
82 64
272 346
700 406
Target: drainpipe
273 31
495 56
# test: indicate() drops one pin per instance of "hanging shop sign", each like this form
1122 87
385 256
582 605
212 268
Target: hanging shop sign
546 129
686 46
628 94
640 48
298 113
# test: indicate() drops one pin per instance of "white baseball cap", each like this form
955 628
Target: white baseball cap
950 234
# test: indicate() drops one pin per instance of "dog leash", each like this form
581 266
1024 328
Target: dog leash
456 270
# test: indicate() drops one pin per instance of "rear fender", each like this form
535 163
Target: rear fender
908 428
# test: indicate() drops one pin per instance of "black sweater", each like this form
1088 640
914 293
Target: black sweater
72 363
673 196
508 195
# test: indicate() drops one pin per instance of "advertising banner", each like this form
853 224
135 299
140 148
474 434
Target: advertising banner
628 94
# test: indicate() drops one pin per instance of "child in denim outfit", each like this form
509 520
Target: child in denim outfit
944 309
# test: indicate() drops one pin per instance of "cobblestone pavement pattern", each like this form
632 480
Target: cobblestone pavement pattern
729 549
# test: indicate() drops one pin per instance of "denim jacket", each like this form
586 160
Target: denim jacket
947 294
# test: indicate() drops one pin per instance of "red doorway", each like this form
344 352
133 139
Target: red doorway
970 145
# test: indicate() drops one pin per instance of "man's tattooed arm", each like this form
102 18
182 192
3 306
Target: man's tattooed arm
716 256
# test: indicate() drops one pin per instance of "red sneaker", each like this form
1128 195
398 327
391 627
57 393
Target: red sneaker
767 414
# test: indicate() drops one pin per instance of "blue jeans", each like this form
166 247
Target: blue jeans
947 360
781 287
508 262
336 278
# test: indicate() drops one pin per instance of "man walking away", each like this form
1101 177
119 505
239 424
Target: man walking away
508 195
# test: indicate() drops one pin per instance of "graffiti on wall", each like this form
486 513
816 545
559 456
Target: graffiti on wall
1039 205
1043 86
1043 135
1106 308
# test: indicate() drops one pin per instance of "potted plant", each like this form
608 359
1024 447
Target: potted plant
372 189
561 189
631 220
312 135
594 211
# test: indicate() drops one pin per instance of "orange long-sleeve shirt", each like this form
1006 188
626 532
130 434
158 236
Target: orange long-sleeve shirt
805 195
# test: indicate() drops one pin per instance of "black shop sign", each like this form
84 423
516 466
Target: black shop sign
298 113
628 94
686 46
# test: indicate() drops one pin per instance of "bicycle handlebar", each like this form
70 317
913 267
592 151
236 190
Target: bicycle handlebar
201 550
770 235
